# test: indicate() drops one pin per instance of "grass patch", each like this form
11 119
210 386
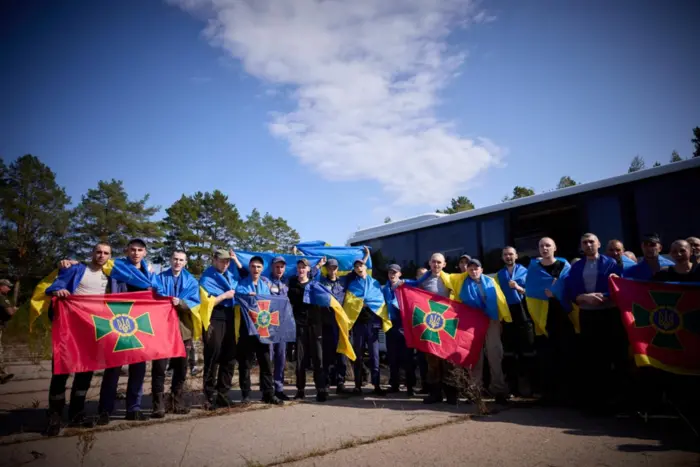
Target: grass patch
38 341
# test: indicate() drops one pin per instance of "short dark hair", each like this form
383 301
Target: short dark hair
508 247
102 244
178 250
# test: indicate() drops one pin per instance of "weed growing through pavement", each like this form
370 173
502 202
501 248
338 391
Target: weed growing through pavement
469 390
86 441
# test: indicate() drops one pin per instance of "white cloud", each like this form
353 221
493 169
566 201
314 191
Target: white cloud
366 76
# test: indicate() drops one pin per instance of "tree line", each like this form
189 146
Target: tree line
462 203
38 226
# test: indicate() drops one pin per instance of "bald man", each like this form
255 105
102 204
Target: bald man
685 270
603 338
616 251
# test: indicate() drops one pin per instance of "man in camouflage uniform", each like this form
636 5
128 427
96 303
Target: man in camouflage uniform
6 312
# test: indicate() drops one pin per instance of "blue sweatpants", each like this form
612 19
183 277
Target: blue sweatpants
366 335
134 388
278 355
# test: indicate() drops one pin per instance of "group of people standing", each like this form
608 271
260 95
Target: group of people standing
530 344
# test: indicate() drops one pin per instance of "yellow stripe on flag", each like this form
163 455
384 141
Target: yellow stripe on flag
40 302
646 360
538 311
503 310
352 306
344 325
203 317
575 318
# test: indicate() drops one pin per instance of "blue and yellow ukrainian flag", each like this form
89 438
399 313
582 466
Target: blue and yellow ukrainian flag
537 301
366 292
316 294
345 255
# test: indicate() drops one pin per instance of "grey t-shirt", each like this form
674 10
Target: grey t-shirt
434 284
92 283
590 275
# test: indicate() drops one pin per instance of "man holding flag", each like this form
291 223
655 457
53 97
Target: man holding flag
76 279
484 293
249 344
218 289
400 356
519 335
365 306
183 289
278 350
130 274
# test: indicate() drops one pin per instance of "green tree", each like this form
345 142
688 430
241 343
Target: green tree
565 181
519 192
387 219
696 141
267 233
199 224
106 214
459 204
675 157
657 164
636 164
33 219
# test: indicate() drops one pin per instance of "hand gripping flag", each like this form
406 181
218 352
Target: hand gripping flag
442 327
291 260
316 294
345 255
662 322
269 317
94 332
40 302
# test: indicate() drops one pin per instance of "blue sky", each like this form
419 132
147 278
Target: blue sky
338 115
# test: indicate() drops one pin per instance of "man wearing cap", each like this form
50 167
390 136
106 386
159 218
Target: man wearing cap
309 342
278 351
399 355
250 346
220 336
130 274
518 336
6 313
336 286
484 293
651 263
463 262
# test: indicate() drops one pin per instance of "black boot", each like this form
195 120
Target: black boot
136 415
54 426
179 407
451 395
435 397
158 406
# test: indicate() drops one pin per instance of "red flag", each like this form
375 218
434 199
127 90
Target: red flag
662 322
442 327
94 332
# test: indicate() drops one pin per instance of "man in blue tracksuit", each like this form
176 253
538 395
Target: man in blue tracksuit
138 278
399 355
336 286
651 263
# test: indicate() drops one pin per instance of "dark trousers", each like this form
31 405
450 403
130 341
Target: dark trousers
179 366
310 346
134 388
400 356
249 348
331 357
78 393
604 350
557 356
219 353
278 355
366 335
519 355
422 364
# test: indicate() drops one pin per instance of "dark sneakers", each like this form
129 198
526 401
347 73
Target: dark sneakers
300 395
340 389
322 396
272 400
158 406
136 416
6 377
54 427
281 396
433 398
223 402
103 419
81 421
393 390
245 397
378 391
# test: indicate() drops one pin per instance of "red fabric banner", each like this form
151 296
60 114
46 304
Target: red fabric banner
94 332
662 322
442 327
